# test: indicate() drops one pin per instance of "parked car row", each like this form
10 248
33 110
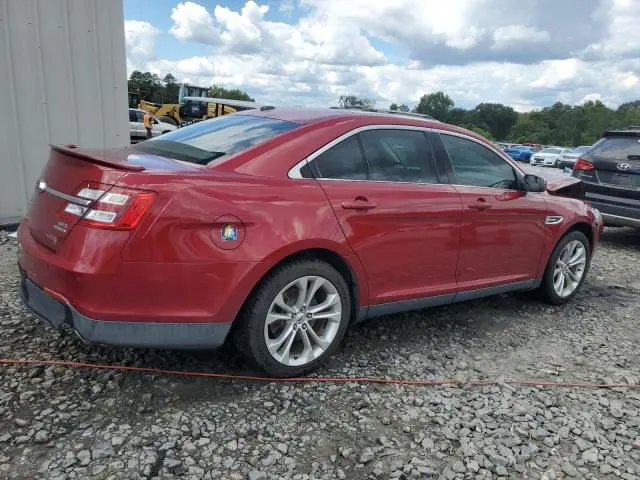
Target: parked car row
548 157
609 170
544 155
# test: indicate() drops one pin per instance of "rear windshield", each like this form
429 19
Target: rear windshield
206 141
616 148
551 150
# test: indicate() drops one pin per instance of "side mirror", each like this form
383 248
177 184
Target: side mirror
534 183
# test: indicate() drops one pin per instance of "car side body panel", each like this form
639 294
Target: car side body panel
176 268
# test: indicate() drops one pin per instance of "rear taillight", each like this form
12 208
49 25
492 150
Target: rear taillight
583 165
118 208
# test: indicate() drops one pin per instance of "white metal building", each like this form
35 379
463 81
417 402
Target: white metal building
63 80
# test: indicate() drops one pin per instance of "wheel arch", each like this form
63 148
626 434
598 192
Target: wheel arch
583 227
348 267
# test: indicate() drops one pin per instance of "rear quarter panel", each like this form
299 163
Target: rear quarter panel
277 218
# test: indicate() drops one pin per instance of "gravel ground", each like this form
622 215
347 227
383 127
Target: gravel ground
61 423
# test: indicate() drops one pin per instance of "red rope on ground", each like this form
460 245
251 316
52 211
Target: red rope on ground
392 381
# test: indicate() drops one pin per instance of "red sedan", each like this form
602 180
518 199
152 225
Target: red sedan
278 228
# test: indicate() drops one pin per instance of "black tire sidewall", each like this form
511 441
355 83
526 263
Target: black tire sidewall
255 316
547 286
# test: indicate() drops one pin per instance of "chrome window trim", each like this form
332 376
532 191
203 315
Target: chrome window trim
294 172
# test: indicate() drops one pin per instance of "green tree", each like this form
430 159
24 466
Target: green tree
479 130
403 108
217 91
147 84
437 104
351 101
459 116
171 89
497 118
393 106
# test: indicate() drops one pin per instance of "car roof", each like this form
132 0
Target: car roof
310 116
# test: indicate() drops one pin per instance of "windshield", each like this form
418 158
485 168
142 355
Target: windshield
208 140
551 150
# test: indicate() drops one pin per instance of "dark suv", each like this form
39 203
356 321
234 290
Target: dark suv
610 171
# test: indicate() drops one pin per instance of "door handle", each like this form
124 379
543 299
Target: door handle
480 204
358 205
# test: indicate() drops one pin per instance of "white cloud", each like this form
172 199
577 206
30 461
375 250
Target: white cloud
244 32
321 38
623 34
140 40
527 56
192 22
518 35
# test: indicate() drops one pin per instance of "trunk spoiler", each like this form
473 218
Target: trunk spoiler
70 150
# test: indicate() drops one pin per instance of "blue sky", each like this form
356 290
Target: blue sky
522 53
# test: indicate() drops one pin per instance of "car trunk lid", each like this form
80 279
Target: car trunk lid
66 173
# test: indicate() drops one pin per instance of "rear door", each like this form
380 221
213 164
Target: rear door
502 226
400 218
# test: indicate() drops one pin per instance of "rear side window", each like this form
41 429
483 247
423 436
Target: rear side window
208 140
343 161
476 165
398 156
132 116
616 148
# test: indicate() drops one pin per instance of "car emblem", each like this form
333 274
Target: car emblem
41 186
623 166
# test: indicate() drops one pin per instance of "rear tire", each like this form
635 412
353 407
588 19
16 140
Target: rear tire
567 268
295 319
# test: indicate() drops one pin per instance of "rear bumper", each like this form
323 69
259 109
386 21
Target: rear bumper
59 314
617 221
616 212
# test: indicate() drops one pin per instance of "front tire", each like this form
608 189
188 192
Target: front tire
295 319
567 268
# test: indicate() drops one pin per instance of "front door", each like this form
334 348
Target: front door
402 223
502 225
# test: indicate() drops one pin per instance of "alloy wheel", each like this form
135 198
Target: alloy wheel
303 320
570 268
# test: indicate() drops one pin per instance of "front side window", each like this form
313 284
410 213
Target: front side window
209 140
476 165
342 161
398 156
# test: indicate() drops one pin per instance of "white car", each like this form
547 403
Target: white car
136 125
548 157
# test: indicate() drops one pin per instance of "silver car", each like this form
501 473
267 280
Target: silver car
568 160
